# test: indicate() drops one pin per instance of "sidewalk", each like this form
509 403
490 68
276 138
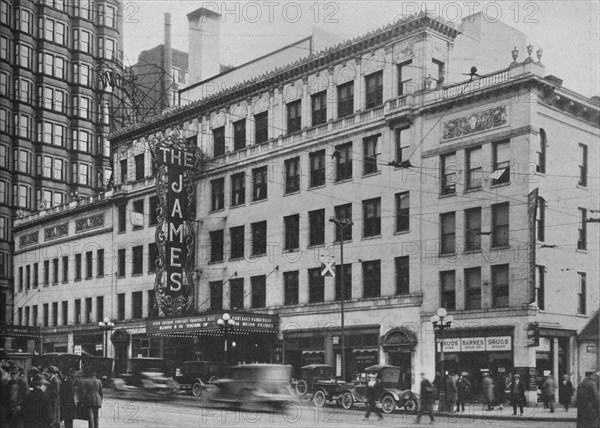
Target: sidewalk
531 413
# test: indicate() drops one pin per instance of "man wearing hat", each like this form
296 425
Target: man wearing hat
19 391
54 394
37 408
517 394
373 392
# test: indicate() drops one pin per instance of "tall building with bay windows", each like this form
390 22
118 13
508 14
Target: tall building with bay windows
53 112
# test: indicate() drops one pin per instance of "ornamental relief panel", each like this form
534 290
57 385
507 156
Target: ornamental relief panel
217 120
292 91
318 83
239 111
261 104
345 73
373 62
88 223
474 123
28 239
56 231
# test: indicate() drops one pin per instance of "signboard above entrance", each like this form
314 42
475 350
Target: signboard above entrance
477 344
260 323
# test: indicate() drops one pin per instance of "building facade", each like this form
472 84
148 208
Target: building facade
53 112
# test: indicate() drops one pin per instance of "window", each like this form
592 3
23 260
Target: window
237 242
22 195
259 291
294 116
343 162
4 264
138 260
239 134
55 134
406 72
449 174
292 232
317 168
540 219
106 48
136 304
448 290
402 140
5 49
83 9
137 220
65 312
121 263
82 41
374 90
474 169
500 288
121 306
77 314
448 232
35 316
217 194
216 295
370 155
440 75
152 256
139 167
345 99
290 285
473 229
583 164
501 162
402 212
500 218
259 238
582 294
402 275
238 189
123 168
88 310
259 183
107 16
540 287
316 224
473 288
372 217
292 175
4 118
541 152
24 56
24 21
55 313
371 279
5 13
27 315
219 141
582 229
236 294
21 278
3 192
77 267
99 308
100 263
24 93
3 227
36 275
82 107
81 74
343 213
316 286
216 246
153 215
46 273
122 215
319 108
261 127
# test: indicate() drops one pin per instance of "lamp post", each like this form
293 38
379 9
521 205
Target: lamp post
106 325
342 223
442 321
225 324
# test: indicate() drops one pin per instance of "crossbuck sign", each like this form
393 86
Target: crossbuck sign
327 264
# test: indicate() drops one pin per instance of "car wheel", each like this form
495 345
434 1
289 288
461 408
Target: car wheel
319 398
197 389
347 400
411 405
301 387
388 404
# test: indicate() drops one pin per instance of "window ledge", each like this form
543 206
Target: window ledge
89 277
217 210
368 238
320 186
492 186
259 201
371 174
346 241
448 254
345 180
315 246
401 232
472 251
500 247
231 207
236 259
583 315
447 195
292 250
295 192
120 276
581 251
211 262
474 189
122 232
100 276
137 274
257 256
77 279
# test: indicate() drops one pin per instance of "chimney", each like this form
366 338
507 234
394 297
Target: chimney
168 62
203 52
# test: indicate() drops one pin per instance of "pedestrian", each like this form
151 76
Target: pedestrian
7 391
19 390
53 391
437 381
587 403
517 394
565 392
488 391
67 399
451 393
33 371
500 387
373 393
550 392
37 407
427 396
88 393
463 388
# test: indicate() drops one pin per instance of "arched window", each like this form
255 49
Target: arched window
541 152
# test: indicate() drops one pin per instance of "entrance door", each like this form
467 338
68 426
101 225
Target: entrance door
404 361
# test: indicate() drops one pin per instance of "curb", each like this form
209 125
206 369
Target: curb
505 417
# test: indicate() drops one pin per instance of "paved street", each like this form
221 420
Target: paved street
180 414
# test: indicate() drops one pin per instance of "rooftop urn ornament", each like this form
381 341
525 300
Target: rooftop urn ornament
539 53
515 54
429 81
529 52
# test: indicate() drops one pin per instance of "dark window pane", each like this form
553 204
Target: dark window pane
290 280
402 275
371 279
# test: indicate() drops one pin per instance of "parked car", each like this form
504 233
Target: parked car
146 379
318 382
194 375
392 395
254 387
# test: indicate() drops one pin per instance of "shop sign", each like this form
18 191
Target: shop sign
498 343
99 347
477 344
472 344
450 345
77 349
591 349
544 345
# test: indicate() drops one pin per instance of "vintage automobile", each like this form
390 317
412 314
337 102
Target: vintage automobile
194 375
391 396
253 387
146 380
103 367
318 382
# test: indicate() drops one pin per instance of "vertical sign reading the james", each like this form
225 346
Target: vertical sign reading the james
176 161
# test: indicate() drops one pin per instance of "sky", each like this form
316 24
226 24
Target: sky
568 31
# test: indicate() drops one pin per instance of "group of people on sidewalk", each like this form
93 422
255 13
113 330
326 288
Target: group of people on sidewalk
47 397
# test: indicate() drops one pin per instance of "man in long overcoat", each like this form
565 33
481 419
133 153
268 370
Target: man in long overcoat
565 392
488 390
37 407
517 394
88 393
451 393
550 392
587 403
463 387
54 394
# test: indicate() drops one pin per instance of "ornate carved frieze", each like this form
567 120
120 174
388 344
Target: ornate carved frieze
345 73
473 123
87 223
373 62
29 239
403 50
239 111
292 91
318 83
217 120
261 104
56 231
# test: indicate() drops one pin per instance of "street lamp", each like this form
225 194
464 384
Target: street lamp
342 223
106 325
225 324
442 321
